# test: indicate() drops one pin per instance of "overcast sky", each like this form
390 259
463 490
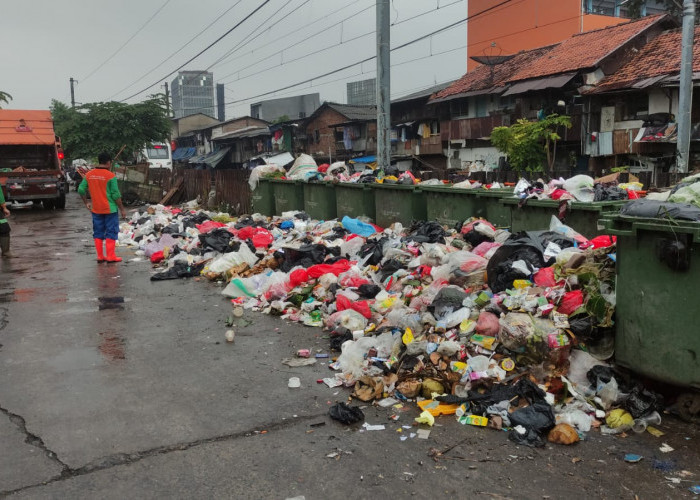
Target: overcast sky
113 50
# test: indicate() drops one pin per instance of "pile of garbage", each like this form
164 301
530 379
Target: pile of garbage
503 330
581 188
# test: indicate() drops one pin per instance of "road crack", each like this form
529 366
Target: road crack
118 459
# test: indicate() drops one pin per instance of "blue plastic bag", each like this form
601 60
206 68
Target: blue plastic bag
358 227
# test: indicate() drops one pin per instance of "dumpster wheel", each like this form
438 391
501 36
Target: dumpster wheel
688 405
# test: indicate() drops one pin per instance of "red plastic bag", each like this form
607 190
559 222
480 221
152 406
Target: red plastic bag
323 167
603 241
362 306
157 257
632 194
488 324
320 269
262 238
570 302
298 277
207 226
545 277
559 194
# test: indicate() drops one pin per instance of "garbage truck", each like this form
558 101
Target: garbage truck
31 158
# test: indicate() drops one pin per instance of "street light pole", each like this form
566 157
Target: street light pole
685 93
383 87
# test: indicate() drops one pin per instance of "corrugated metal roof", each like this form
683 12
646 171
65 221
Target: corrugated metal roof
355 112
550 82
38 127
423 93
244 132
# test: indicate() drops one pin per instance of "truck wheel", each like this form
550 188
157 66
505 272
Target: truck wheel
61 202
48 204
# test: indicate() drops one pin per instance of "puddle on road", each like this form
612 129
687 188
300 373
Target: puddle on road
112 346
111 303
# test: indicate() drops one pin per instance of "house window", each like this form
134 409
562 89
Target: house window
302 114
634 107
317 136
459 108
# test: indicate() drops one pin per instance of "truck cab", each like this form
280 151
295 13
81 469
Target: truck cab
31 158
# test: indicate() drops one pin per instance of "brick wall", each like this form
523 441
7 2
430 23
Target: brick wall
325 134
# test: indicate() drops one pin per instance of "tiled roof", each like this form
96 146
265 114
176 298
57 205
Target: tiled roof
659 57
480 79
585 50
354 112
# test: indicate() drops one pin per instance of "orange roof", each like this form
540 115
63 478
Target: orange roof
585 50
658 58
480 80
38 127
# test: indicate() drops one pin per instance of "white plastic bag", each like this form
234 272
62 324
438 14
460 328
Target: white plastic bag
581 187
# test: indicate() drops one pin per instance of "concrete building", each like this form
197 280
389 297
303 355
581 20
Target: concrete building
494 29
192 93
293 108
362 93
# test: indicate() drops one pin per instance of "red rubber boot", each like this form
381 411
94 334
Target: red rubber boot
111 256
99 248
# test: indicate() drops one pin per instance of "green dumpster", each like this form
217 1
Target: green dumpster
319 200
536 215
449 206
489 206
289 195
354 200
263 198
658 271
398 203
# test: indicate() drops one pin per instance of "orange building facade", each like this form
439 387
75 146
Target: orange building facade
494 29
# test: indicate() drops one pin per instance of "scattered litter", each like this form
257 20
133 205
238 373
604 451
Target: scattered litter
632 458
294 382
297 362
665 448
423 433
346 414
370 427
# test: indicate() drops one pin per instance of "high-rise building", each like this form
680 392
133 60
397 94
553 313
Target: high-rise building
496 28
193 92
293 108
363 93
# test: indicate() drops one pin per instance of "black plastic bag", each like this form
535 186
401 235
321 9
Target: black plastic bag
304 256
426 232
368 291
179 270
538 417
599 375
526 246
529 438
660 209
609 193
339 337
346 414
220 240
447 300
390 267
641 402
374 249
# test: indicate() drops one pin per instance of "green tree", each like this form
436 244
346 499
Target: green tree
4 97
531 145
89 129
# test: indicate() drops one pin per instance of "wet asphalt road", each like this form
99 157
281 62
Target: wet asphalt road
112 386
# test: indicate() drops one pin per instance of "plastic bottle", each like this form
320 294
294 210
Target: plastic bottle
640 424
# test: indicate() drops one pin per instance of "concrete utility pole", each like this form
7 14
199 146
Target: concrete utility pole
685 95
72 92
383 87
167 98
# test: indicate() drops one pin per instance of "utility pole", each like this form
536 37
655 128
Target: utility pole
383 87
167 98
72 92
685 93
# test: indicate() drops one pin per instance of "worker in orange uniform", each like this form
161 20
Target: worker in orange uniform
106 199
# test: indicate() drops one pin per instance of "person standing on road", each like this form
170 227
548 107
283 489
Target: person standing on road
106 199
4 227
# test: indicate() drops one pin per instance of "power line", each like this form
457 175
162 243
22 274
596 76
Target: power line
342 42
125 43
367 59
306 38
217 18
245 42
265 2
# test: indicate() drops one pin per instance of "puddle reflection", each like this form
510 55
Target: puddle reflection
112 346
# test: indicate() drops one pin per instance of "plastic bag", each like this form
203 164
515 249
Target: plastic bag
581 186
346 414
516 329
488 324
253 286
303 169
358 227
232 259
570 302
558 226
